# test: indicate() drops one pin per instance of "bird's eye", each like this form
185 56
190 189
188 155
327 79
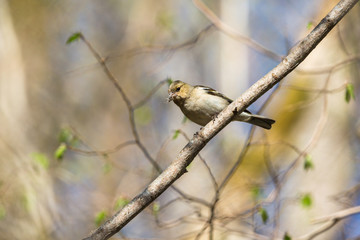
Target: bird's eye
178 89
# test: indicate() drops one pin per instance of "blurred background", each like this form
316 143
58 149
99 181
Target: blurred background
70 156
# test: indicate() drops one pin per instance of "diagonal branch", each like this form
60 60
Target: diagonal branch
188 153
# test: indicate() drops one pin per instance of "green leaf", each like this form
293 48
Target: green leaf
308 163
65 135
143 115
184 119
2 211
287 236
306 200
176 134
120 203
169 81
41 159
156 208
189 166
107 167
165 20
76 36
100 218
349 92
256 192
264 215
25 201
60 151
309 25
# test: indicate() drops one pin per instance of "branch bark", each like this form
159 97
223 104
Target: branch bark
178 167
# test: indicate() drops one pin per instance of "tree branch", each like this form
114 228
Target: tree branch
188 153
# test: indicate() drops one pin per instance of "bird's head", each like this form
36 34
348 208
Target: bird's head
179 91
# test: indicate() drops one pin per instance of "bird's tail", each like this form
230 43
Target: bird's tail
261 121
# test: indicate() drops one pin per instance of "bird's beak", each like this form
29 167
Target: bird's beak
171 97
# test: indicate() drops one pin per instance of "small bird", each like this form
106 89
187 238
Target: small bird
201 104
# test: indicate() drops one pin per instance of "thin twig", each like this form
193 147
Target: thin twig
171 49
333 67
323 228
223 27
102 152
339 215
150 94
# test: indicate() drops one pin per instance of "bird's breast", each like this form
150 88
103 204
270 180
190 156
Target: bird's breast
202 110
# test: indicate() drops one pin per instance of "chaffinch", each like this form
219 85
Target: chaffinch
201 104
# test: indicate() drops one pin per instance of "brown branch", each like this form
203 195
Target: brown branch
178 167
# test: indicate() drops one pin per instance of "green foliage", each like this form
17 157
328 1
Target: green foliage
41 159
184 119
76 36
156 208
100 218
120 203
107 167
306 200
349 92
309 25
176 134
189 166
2 211
256 192
25 202
169 81
66 136
143 115
308 163
165 20
60 151
264 215
287 236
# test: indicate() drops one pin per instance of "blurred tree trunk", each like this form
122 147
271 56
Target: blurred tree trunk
25 193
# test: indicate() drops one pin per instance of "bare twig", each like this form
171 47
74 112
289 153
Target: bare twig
322 70
233 33
213 180
311 90
339 215
171 49
323 228
150 94
102 152
330 221
188 153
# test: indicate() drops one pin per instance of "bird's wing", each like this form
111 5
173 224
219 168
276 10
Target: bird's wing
212 91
